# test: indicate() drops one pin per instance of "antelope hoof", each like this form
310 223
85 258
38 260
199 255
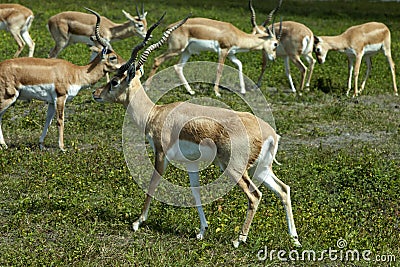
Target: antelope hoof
3 146
241 239
135 226
296 242
42 147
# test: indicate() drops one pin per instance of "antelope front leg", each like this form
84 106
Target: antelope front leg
51 111
60 105
221 60
238 63
154 182
2 142
356 74
368 71
263 68
350 69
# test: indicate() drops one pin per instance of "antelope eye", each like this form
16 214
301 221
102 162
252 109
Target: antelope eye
114 82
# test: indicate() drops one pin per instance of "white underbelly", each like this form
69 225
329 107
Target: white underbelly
368 50
192 154
80 39
45 92
196 46
3 25
372 49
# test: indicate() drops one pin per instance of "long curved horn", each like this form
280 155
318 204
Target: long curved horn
163 39
137 12
253 19
98 37
271 14
280 31
140 46
253 15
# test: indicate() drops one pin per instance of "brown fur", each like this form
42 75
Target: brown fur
18 72
356 38
17 17
63 24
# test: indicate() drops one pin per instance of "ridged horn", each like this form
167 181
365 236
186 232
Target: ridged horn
253 15
137 48
98 37
271 14
163 39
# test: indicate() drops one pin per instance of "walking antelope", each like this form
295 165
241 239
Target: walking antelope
17 19
202 34
52 80
76 27
238 141
296 40
356 42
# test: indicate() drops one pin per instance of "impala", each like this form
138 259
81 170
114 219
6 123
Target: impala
356 42
190 133
17 19
76 27
202 34
52 80
296 40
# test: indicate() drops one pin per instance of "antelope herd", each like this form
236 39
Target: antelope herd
239 142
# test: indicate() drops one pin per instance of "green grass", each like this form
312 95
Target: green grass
339 155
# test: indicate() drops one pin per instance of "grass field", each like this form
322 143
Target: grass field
339 155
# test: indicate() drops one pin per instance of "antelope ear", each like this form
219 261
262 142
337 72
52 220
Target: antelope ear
94 48
316 40
129 16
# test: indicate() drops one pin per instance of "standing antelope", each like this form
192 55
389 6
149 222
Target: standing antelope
356 42
17 19
296 40
202 34
52 80
76 27
190 133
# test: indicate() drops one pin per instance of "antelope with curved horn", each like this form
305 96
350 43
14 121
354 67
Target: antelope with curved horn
202 34
54 81
238 141
296 40
17 19
71 27
356 42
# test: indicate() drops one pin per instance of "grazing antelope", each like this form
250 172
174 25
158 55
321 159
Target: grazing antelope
296 40
202 34
17 19
356 42
76 27
188 133
55 81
